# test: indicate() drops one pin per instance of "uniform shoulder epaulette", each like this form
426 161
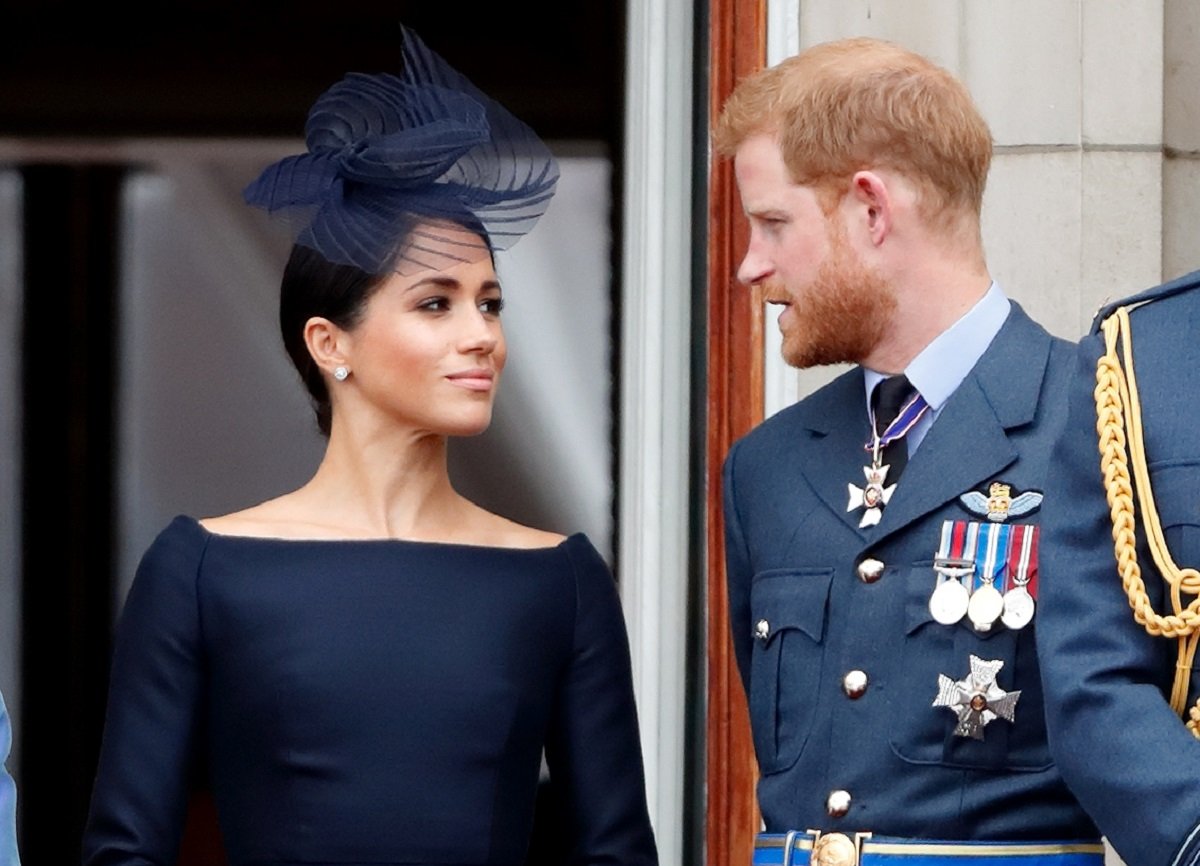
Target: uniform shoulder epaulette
1188 282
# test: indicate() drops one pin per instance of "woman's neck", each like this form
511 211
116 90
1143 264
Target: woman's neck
392 483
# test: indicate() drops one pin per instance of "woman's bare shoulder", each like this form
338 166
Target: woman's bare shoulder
503 532
282 517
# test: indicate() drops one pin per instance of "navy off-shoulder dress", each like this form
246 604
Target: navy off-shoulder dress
369 702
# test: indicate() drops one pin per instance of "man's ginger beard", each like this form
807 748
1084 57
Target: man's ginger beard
842 314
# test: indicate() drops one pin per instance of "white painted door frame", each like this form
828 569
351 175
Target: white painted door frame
656 336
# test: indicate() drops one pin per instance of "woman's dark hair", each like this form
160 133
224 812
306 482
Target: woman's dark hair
313 286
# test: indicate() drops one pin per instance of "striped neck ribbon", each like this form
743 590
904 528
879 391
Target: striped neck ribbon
910 413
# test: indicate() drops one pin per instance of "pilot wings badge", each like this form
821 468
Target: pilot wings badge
999 504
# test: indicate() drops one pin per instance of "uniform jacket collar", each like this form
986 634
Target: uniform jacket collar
967 445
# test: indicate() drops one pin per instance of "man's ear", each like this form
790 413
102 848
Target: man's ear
869 191
327 344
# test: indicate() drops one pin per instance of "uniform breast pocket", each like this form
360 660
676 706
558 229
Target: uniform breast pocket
1175 485
788 615
922 733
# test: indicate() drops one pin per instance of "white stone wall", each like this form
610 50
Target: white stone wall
1181 136
1093 105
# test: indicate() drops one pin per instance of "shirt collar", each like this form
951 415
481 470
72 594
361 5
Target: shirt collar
940 367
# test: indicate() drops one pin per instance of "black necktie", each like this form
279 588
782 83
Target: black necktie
887 400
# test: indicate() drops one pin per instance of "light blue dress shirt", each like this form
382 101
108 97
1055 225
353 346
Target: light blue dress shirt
940 367
8 796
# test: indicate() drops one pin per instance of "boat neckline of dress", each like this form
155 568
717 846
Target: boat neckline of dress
381 540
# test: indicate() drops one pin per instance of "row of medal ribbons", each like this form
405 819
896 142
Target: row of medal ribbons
986 572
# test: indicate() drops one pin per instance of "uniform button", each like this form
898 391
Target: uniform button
838 803
854 684
870 570
762 629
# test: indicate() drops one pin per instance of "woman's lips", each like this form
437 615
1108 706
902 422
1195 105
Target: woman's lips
474 380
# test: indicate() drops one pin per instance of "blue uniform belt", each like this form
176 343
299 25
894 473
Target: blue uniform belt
866 849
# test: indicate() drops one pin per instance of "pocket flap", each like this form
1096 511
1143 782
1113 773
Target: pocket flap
790 599
1175 487
922 580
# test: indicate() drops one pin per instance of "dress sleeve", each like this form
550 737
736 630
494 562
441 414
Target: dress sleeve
139 799
1125 754
592 748
8 796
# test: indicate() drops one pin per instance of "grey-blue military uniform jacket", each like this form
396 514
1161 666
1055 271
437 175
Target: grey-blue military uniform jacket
1128 756
805 612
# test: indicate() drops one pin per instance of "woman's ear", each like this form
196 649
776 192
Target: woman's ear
327 344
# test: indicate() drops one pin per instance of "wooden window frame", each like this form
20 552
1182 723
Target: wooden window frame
737 47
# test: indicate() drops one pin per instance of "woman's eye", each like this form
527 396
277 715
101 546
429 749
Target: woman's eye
492 306
439 304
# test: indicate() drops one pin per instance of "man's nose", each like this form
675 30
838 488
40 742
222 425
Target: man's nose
754 267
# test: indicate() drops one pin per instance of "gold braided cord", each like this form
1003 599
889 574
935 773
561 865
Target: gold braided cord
1117 403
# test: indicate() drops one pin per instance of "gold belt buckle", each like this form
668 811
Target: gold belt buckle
836 849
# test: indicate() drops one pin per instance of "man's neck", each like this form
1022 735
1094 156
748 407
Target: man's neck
931 296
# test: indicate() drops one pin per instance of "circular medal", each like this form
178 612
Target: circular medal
949 601
985 607
1018 608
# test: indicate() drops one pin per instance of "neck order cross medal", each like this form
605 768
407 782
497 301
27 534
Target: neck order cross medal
876 493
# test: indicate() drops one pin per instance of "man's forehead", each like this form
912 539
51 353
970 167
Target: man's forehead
765 182
758 164
761 147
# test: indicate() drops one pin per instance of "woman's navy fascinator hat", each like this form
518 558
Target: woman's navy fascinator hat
395 163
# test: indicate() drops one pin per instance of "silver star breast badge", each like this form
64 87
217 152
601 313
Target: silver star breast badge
872 496
976 700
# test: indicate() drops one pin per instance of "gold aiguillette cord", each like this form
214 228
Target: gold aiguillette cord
1117 405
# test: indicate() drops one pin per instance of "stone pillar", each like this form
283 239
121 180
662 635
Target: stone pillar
1181 137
